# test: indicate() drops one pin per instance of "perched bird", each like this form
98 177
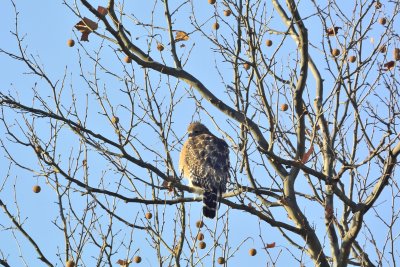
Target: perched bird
204 161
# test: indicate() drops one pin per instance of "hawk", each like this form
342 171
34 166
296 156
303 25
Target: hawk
204 161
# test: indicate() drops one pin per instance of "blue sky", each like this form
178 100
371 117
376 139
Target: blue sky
45 32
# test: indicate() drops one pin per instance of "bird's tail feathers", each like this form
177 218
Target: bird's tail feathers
210 200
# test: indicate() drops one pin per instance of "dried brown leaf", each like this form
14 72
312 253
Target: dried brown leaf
307 155
181 36
102 10
332 31
389 65
271 245
123 263
168 185
86 26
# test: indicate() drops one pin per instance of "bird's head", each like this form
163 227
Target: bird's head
196 128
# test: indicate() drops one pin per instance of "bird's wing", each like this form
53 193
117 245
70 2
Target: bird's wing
207 157
182 159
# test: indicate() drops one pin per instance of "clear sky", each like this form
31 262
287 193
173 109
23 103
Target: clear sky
46 26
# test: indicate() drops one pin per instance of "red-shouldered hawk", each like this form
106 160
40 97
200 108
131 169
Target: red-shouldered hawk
204 161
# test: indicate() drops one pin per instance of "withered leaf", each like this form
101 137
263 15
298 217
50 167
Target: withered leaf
307 155
168 185
123 263
332 31
181 36
389 65
271 245
102 10
86 26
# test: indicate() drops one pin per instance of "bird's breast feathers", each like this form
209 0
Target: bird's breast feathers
204 155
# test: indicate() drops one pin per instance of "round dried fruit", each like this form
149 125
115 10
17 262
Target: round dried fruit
38 149
115 120
36 189
335 52
284 107
215 26
227 12
127 59
352 59
70 43
202 245
137 259
199 224
382 49
200 236
160 47
221 260
252 252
